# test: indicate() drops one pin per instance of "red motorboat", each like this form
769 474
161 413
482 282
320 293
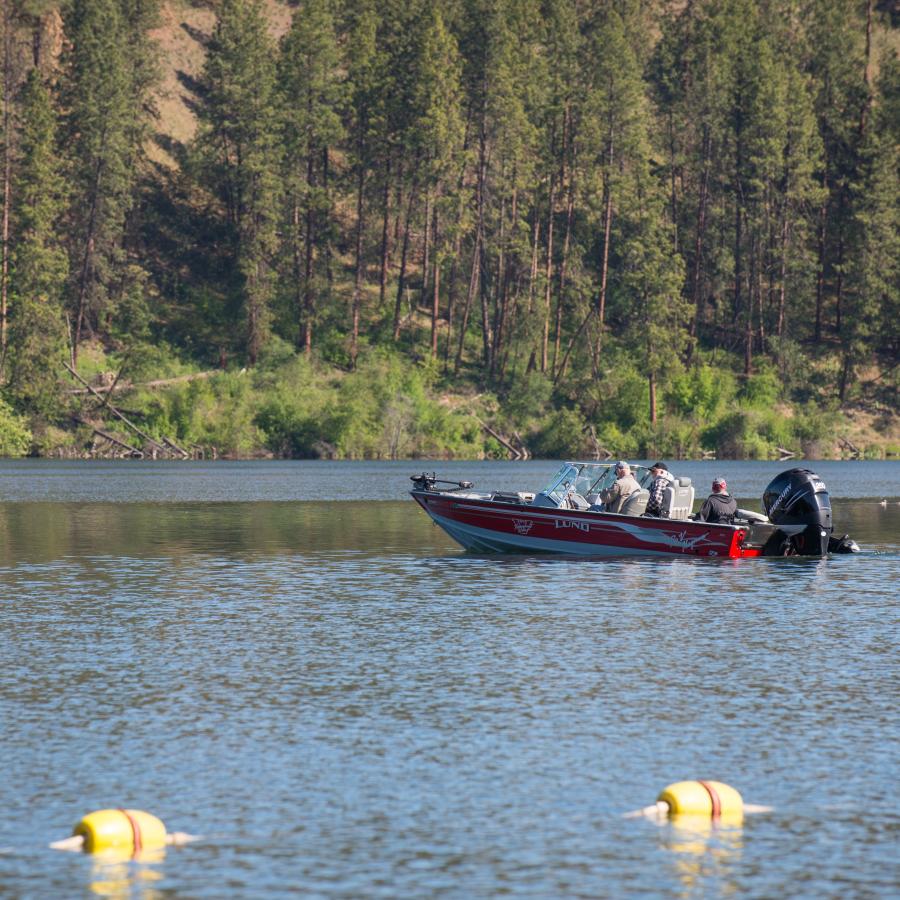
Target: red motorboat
567 518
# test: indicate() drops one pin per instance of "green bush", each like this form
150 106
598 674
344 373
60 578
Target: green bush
752 434
672 436
700 393
621 396
15 436
527 399
562 435
761 390
383 410
622 444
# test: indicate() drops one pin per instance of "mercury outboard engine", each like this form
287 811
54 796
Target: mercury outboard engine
797 502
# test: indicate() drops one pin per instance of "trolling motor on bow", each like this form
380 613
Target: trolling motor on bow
797 502
426 482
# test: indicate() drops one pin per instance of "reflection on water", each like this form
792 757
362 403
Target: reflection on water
42 531
118 876
344 704
704 855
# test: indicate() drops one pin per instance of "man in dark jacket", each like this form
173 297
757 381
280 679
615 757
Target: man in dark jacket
719 507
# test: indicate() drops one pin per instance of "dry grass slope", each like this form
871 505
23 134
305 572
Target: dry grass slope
182 36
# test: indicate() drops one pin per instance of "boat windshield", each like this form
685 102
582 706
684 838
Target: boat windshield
590 478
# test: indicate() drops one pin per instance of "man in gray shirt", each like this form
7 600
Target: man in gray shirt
625 485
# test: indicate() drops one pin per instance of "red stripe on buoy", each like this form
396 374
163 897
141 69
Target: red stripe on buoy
714 797
136 830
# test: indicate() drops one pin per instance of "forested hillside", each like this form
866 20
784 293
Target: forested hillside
350 228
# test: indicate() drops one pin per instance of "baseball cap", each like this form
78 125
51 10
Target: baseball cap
719 482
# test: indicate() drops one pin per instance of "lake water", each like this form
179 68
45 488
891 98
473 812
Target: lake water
289 660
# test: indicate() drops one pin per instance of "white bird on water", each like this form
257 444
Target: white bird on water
883 503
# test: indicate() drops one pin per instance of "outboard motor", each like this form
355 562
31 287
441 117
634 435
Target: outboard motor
797 502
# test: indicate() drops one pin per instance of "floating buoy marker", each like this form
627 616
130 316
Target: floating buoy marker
700 799
121 830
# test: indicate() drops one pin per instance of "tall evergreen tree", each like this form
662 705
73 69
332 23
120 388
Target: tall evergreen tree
103 131
439 126
365 121
310 97
238 148
614 145
872 289
40 264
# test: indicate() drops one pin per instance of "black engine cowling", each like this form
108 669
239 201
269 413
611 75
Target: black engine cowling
797 502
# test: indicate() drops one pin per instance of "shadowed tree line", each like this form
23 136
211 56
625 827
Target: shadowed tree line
611 213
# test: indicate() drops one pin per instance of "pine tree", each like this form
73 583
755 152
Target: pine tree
872 290
613 147
102 132
310 98
837 64
439 130
39 265
237 146
365 121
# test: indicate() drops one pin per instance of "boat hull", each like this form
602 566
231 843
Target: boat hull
489 526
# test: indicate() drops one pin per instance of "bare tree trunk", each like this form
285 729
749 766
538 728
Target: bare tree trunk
358 280
652 385
561 371
297 252
499 289
470 296
385 233
548 275
486 342
673 198
782 277
436 293
696 293
451 296
846 372
532 275
308 295
254 331
604 263
839 285
820 277
751 290
401 280
563 273
329 273
480 247
426 248
86 264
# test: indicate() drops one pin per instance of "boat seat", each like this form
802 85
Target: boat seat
636 503
543 499
678 499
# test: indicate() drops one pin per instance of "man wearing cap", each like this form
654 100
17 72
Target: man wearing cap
625 485
662 478
719 507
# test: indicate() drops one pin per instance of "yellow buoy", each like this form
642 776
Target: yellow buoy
710 799
131 830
